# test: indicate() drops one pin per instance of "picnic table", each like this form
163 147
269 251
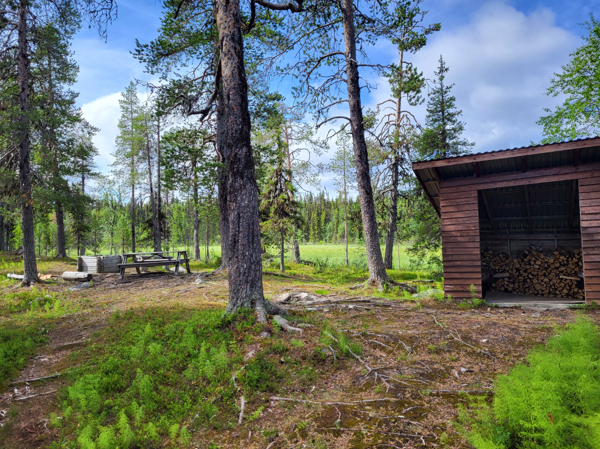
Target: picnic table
153 259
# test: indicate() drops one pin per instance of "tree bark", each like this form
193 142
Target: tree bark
392 223
132 184
29 261
377 273
222 182
60 231
282 254
81 243
2 232
158 224
345 214
208 234
155 225
196 218
297 257
245 264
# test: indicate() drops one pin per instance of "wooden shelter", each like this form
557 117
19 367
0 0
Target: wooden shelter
545 197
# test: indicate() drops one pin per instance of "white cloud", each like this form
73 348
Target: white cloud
501 63
104 114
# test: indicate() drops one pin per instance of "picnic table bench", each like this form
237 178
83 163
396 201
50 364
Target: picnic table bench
153 259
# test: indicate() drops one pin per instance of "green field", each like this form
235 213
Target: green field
335 254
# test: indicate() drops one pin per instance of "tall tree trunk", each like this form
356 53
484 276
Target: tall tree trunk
282 254
345 215
377 273
393 218
29 261
167 214
297 257
132 218
208 235
158 224
132 183
2 231
196 219
60 231
245 264
82 241
222 181
156 245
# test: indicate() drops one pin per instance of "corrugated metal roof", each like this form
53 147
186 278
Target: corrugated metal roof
457 158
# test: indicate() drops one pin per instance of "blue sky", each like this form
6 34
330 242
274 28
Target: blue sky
501 56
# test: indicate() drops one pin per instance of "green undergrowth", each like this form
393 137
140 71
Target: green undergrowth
33 303
156 378
551 401
17 346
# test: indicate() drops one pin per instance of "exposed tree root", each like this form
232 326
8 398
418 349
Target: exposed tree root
285 324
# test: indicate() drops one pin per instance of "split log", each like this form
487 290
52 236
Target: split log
76 276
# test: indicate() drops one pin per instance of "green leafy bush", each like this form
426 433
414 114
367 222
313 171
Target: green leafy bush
551 401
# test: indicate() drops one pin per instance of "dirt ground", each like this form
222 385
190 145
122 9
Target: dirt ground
419 361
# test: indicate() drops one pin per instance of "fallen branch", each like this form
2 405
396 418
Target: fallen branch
242 407
364 401
35 379
18 277
457 337
35 395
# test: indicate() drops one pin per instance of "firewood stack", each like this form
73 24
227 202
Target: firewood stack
555 274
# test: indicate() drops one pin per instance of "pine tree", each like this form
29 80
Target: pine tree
407 83
279 203
130 143
342 164
442 136
59 150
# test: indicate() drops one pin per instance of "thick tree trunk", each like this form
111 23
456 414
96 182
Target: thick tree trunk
29 261
60 231
132 218
158 224
245 264
377 273
392 224
222 182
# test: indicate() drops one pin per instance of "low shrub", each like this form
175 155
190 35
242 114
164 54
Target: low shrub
17 345
552 400
143 384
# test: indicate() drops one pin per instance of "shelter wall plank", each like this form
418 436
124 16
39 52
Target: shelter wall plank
518 178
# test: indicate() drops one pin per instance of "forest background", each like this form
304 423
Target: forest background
103 214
